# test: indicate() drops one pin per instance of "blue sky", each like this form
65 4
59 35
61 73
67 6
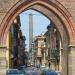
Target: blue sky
40 22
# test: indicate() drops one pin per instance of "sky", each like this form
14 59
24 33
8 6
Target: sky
40 23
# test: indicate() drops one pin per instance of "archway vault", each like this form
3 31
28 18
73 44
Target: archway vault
52 5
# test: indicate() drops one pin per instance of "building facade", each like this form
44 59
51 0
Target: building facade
16 46
53 47
39 51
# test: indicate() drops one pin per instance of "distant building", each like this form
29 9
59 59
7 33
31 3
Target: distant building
52 47
46 49
21 50
14 42
30 31
16 45
39 50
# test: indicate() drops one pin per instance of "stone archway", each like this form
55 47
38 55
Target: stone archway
60 14
55 6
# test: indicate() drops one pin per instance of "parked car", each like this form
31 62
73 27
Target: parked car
21 73
12 72
49 72
59 73
32 71
22 69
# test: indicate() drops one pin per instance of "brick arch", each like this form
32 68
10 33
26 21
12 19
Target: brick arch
59 12
54 5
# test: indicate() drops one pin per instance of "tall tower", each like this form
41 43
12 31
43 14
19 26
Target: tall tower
30 30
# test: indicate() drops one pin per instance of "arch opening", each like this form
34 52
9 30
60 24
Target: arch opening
54 33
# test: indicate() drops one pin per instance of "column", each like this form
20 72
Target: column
71 60
60 56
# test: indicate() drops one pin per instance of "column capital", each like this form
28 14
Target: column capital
3 47
73 46
71 50
71 60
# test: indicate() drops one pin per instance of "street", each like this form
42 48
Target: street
32 71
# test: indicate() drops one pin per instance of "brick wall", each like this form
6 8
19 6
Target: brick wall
70 6
5 5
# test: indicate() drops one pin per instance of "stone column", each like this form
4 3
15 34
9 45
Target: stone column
71 60
64 62
3 63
